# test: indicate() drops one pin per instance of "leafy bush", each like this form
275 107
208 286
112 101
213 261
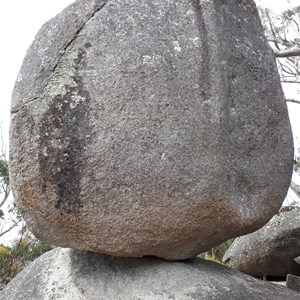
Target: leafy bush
14 259
4 173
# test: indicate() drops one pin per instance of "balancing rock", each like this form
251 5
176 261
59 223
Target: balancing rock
149 127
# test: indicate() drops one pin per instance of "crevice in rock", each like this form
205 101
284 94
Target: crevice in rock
73 39
32 100
14 111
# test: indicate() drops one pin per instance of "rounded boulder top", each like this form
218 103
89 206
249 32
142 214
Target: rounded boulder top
149 127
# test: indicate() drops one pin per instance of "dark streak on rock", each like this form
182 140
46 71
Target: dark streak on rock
204 80
63 165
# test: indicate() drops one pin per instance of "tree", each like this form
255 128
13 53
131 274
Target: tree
7 224
283 33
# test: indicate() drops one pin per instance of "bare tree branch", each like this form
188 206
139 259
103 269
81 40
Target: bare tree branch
286 69
287 53
290 81
293 101
279 41
295 188
272 29
9 229
5 197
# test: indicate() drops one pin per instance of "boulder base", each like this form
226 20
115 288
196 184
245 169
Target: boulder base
71 274
149 128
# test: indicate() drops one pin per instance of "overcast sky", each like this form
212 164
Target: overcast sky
278 5
20 21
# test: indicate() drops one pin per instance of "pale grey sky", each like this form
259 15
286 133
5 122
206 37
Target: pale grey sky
278 5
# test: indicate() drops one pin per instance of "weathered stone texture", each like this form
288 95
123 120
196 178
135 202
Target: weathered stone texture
271 250
75 275
293 282
149 127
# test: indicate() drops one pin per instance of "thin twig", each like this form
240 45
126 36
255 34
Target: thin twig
293 101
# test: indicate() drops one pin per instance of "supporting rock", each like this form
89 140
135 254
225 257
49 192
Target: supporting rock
71 274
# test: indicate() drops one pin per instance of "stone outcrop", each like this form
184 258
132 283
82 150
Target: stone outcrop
293 282
271 250
143 128
71 274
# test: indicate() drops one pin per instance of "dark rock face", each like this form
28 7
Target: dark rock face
71 274
293 282
149 128
270 250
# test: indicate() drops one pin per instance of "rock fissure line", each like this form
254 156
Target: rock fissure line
92 15
69 44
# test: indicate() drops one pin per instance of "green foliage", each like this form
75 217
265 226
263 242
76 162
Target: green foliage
219 251
8 268
291 12
210 258
216 253
14 259
263 277
35 249
4 172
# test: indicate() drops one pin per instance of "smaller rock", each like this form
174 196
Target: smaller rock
79 275
293 282
270 250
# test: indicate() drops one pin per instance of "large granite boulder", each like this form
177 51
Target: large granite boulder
271 250
78 275
149 127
